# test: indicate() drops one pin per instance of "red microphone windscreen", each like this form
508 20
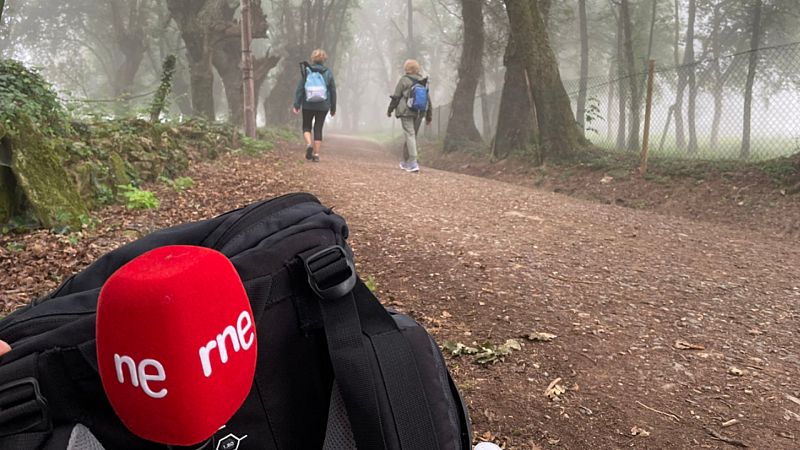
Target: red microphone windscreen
176 344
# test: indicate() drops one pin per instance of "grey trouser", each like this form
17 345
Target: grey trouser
411 128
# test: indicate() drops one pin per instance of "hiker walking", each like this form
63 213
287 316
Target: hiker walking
316 96
411 102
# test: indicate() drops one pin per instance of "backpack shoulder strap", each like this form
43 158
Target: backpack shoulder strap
354 319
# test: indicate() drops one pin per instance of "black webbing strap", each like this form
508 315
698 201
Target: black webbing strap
350 314
401 377
23 409
331 275
351 368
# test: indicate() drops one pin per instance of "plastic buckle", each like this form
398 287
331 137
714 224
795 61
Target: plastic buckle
337 284
25 406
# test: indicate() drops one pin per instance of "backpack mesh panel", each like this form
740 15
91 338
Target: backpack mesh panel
83 439
339 435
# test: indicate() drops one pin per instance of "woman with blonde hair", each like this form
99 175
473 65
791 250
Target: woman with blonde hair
316 96
411 102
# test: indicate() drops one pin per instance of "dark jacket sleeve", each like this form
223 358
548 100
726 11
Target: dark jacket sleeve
429 112
396 97
299 93
332 91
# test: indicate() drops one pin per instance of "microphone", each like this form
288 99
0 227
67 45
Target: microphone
176 344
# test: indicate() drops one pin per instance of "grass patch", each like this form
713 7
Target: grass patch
256 147
136 198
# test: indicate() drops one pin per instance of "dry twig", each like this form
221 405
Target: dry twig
670 415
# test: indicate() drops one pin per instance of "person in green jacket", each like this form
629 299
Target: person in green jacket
410 119
316 96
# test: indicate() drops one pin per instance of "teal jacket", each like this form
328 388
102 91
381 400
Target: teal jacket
327 105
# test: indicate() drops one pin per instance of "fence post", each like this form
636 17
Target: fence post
647 113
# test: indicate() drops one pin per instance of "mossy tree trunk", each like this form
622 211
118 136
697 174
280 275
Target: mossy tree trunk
37 163
515 124
160 100
559 136
461 129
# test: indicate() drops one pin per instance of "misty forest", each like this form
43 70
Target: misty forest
597 218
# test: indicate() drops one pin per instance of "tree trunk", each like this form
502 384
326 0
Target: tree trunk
544 11
633 82
278 105
195 34
160 100
691 78
181 92
486 109
622 93
714 139
412 48
262 67
461 129
718 88
676 54
584 32
720 77
130 42
515 126
558 135
755 42
201 79
226 61
684 74
5 31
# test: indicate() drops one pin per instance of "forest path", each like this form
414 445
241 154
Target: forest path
654 315
625 291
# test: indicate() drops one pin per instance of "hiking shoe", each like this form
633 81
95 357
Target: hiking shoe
403 165
315 158
412 167
310 152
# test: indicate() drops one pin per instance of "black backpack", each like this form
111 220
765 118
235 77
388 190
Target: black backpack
336 370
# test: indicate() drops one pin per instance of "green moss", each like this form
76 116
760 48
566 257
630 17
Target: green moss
38 165
7 188
119 171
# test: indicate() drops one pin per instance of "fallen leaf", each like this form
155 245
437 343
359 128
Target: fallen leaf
555 389
540 337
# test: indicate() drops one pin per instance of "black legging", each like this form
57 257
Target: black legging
319 121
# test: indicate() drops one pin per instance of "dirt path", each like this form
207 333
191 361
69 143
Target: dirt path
480 260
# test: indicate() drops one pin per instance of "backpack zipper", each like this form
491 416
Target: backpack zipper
257 213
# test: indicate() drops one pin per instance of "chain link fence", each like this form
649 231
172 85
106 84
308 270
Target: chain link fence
708 121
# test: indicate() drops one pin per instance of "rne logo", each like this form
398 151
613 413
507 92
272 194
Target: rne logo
240 338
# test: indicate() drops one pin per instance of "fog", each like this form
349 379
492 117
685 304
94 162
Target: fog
83 48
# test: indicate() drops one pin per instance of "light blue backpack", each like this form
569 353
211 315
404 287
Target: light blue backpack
316 86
